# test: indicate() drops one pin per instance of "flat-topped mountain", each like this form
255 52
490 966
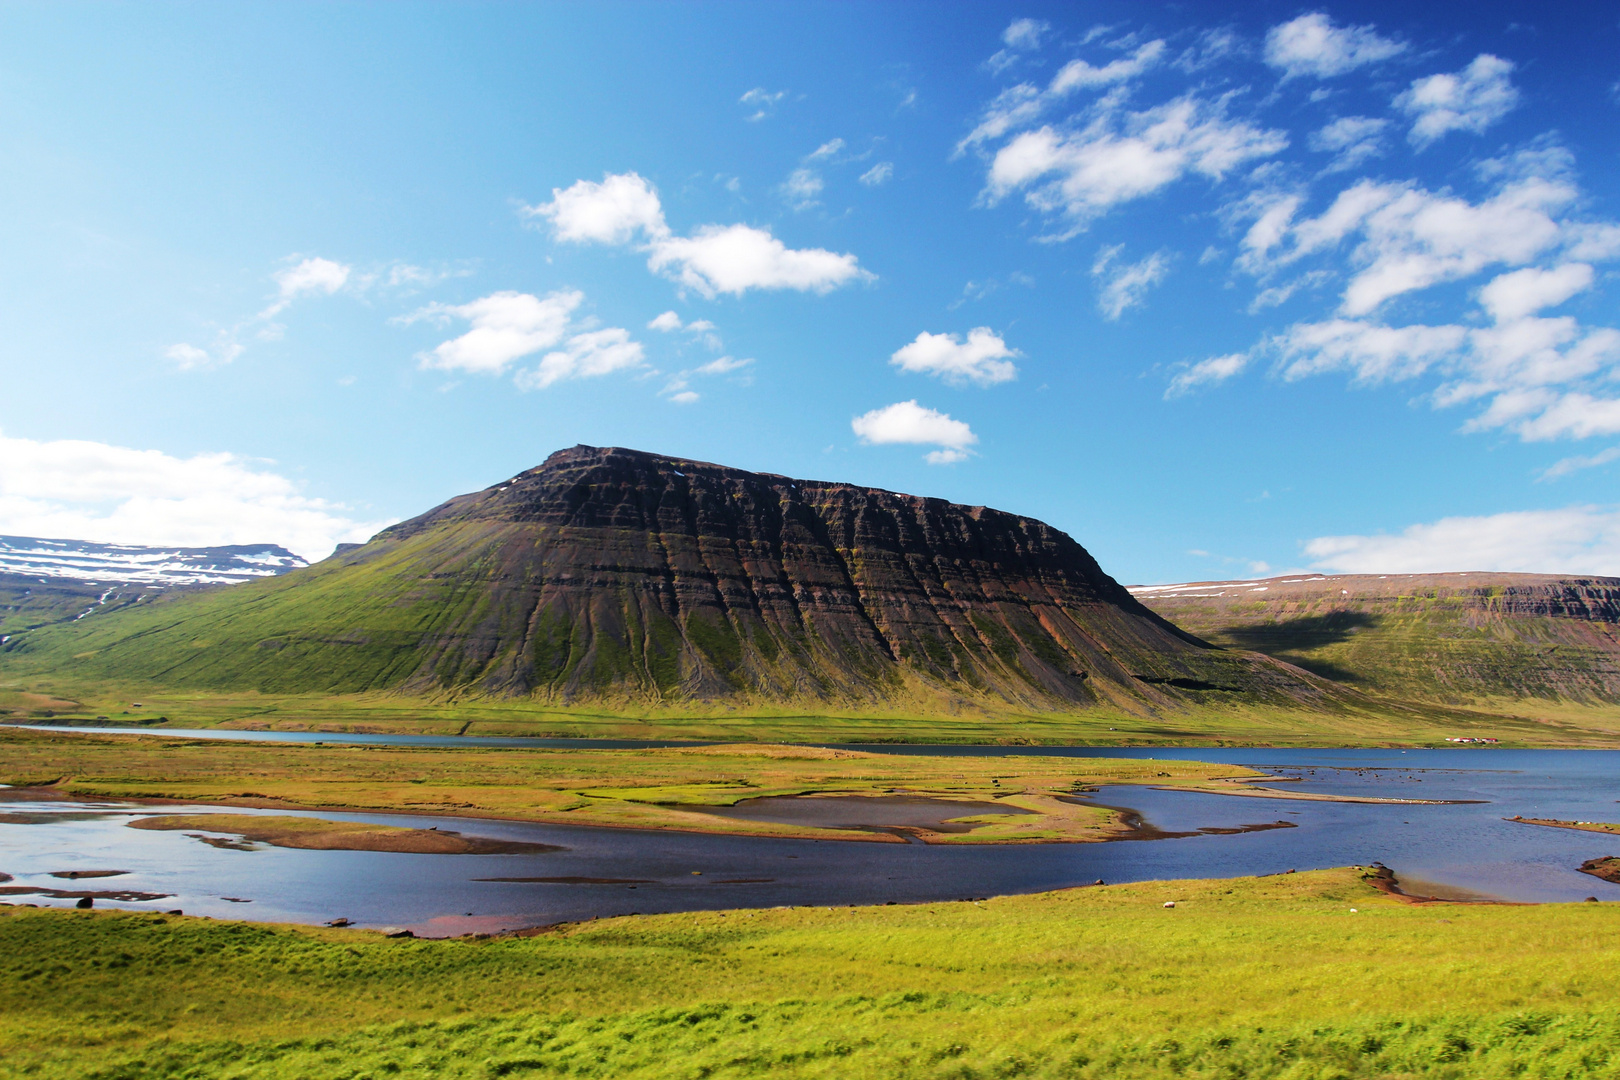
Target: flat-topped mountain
619 575
1460 638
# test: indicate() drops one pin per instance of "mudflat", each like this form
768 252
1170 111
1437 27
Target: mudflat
319 834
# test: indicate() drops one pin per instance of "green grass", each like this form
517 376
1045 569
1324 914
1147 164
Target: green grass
1266 977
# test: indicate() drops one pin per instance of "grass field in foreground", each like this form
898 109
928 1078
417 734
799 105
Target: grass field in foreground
1257 977
647 789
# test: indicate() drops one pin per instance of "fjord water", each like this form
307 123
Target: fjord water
1461 848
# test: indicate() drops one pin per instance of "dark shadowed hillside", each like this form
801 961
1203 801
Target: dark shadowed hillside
615 575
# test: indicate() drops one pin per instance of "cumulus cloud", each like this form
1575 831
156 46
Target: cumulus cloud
1371 353
667 322
984 358
77 489
878 174
1412 239
1524 292
1025 34
505 327
584 356
611 212
1125 285
1312 45
827 149
625 208
1206 373
910 423
1575 540
1083 174
735 258
1468 100
1351 140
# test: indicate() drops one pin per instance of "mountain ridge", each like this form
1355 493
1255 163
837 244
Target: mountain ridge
609 574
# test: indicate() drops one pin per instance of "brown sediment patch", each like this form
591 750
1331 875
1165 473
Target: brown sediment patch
571 880
1606 868
1383 879
321 834
1606 827
891 813
74 875
80 894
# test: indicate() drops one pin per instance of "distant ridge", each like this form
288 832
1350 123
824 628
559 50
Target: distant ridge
1464 638
81 560
616 575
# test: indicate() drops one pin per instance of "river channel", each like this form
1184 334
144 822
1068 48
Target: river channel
1462 848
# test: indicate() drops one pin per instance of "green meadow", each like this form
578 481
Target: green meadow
1257 977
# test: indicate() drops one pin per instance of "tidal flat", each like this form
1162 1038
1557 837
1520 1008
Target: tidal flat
1311 974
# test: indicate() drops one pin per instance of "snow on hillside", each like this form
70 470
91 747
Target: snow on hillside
80 560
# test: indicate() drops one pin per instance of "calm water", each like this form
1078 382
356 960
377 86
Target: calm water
1458 849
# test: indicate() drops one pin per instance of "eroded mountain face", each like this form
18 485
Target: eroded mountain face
609 573
1458 638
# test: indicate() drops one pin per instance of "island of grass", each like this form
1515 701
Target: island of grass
1014 799
1581 826
1315 974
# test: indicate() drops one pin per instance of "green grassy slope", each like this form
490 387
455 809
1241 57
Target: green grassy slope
1265 978
1491 640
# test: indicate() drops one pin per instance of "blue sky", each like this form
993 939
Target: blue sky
1222 290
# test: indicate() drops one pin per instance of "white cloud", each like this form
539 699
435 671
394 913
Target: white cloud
584 356
313 275
1079 75
762 101
611 212
667 322
1575 540
1125 285
685 397
984 358
723 366
802 188
506 326
1212 47
736 258
908 422
76 489
714 259
1524 292
1576 464
1412 239
1351 139
1099 167
1025 34
1018 106
1469 100
1372 353
878 174
1207 372
826 150
1312 45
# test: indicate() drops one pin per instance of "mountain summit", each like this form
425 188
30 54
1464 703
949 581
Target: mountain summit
615 574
